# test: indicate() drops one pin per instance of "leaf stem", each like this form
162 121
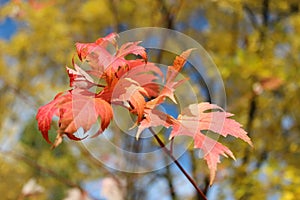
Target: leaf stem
169 153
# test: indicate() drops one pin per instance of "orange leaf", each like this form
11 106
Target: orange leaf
181 59
82 111
45 114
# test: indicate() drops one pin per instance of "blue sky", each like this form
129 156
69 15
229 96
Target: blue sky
7 25
7 28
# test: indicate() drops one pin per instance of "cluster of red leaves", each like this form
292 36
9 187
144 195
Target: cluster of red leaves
111 79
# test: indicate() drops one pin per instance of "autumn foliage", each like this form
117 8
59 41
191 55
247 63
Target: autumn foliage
108 78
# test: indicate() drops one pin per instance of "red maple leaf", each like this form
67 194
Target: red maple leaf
171 84
79 78
81 110
202 117
84 49
145 74
45 114
131 95
154 118
75 110
100 59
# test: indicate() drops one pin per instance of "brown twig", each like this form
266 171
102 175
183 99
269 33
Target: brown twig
167 151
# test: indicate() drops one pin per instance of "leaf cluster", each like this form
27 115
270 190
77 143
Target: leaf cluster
110 79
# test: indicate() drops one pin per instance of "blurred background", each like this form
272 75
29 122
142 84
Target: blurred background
254 43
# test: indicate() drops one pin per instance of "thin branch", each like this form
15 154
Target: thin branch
41 168
168 176
205 187
167 151
169 16
114 12
266 12
251 16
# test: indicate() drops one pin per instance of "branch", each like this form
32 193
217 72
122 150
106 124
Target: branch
41 168
168 176
114 12
251 16
167 151
205 187
266 12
